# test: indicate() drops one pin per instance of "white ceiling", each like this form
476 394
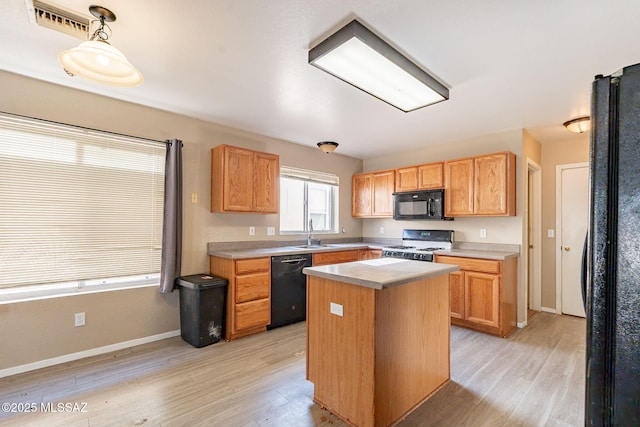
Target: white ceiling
509 64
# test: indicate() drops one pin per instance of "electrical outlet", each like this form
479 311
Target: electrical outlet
336 309
79 319
252 231
483 233
551 233
271 231
194 197
381 230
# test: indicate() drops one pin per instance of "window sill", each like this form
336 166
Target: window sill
13 295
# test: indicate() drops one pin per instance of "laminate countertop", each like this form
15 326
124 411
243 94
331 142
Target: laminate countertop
293 250
381 272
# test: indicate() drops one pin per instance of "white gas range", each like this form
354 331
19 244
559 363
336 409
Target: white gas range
419 245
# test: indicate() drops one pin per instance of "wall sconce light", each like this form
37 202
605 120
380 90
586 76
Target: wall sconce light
579 125
327 146
97 60
357 56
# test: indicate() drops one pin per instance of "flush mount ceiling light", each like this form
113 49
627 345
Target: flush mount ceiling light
579 125
357 56
97 60
327 146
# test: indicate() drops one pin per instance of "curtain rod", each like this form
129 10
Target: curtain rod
167 142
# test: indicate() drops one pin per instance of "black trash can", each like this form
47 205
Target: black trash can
202 299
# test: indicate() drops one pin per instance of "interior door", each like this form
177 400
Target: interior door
575 214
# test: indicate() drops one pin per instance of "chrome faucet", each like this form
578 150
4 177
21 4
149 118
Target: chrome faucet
309 236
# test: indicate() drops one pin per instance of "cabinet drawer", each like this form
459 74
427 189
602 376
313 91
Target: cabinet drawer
252 287
253 314
472 264
338 257
254 265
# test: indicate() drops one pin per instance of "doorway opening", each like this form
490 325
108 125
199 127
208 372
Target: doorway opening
532 248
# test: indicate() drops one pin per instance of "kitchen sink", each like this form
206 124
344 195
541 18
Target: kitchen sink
312 246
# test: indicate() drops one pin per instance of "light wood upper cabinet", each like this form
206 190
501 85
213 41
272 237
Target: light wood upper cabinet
372 194
407 179
361 186
482 185
458 179
494 184
244 180
422 177
266 183
383 185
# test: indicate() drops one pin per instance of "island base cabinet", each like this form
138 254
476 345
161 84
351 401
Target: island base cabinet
384 354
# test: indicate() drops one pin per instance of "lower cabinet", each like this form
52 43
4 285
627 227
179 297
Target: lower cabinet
364 254
248 306
483 294
334 257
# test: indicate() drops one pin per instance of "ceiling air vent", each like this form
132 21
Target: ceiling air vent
59 19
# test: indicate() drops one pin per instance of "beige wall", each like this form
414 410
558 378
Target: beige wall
44 329
561 153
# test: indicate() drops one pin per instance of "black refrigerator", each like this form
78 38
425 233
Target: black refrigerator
613 253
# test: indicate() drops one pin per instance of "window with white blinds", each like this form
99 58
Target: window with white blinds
77 207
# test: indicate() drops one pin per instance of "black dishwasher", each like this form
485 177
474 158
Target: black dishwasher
288 289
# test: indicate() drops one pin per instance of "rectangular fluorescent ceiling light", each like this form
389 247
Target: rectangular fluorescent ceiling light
357 56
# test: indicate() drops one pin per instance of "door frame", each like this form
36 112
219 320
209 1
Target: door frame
535 299
559 170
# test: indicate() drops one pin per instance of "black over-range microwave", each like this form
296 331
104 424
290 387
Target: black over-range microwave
427 204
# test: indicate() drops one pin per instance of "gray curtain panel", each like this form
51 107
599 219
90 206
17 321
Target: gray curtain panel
172 226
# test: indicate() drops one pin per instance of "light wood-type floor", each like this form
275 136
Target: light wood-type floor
535 377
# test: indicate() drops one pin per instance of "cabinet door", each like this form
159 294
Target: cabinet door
406 179
361 195
431 176
458 178
482 298
266 186
383 186
456 285
492 185
252 287
337 257
253 314
238 180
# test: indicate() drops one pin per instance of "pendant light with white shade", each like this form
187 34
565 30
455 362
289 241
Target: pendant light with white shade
97 60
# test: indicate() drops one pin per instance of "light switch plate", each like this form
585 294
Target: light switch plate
271 231
551 233
483 233
336 309
194 197
79 319
252 231
381 230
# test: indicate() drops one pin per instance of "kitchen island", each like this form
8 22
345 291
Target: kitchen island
377 337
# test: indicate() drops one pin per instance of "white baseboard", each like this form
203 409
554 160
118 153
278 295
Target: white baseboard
548 310
86 353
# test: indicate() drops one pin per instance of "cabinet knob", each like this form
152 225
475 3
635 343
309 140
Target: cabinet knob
567 248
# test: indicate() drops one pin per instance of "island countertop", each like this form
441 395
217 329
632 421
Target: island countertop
381 272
